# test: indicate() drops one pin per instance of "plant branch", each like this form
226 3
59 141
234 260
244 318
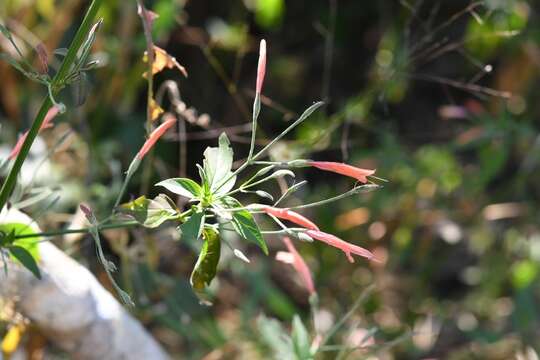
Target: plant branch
78 231
56 85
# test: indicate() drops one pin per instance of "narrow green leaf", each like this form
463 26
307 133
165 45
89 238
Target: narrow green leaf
192 229
182 186
206 267
300 338
275 336
26 259
244 224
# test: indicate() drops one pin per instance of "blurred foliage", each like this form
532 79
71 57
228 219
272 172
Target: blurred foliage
415 89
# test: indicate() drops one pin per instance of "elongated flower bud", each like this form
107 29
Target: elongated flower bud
261 67
290 215
46 124
343 169
155 135
344 246
300 265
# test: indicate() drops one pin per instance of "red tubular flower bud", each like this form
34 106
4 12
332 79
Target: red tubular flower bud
343 169
261 67
344 246
290 215
155 135
46 124
300 265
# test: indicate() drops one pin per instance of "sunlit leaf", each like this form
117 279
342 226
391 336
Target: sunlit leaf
19 229
150 213
182 186
217 166
244 224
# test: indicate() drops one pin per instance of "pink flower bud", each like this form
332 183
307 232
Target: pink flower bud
343 169
299 265
344 246
290 215
46 124
155 135
261 68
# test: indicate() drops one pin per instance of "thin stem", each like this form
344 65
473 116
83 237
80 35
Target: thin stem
363 296
300 120
252 159
78 231
56 86
353 191
150 57
129 174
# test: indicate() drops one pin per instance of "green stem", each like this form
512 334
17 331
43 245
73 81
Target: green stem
253 158
78 231
301 119
56 85
353 191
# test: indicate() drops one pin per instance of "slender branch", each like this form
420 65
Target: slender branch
251 160
78 231
353 191
56 85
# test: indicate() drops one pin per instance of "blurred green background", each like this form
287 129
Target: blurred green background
438 96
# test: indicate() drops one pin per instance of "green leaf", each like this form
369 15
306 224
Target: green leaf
300 338
206 267
244 224
151 213
217 166
275 336
182 186
30 244
192 229
25 258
